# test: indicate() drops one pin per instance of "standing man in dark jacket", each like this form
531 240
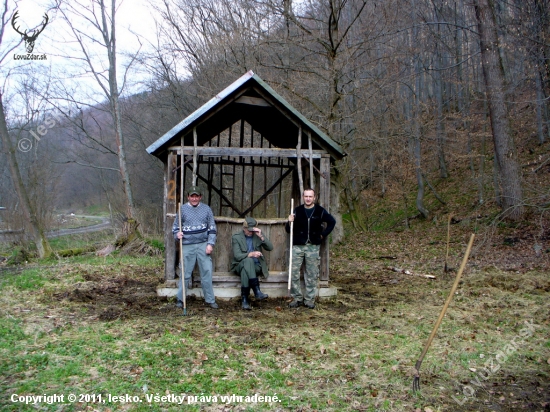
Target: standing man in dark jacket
308 234
248 259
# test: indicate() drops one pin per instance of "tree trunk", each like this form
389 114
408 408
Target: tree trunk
440 118
116 114
541 102
494 77
42 244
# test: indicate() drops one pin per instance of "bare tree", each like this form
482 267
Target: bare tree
101 18
493 73
42 244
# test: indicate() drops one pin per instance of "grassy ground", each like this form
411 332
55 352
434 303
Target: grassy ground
94 326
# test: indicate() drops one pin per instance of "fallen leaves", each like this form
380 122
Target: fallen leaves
201 357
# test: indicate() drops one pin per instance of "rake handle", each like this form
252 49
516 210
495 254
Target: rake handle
182 273
447 302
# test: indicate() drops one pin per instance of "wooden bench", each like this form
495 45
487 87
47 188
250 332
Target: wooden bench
228 285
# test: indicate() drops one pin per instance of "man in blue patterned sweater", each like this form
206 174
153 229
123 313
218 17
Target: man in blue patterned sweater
199 237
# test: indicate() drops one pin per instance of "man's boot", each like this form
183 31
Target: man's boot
255 285
244 296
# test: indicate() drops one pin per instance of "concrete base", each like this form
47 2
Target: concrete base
274 291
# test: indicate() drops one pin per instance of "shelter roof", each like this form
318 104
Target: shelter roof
251 99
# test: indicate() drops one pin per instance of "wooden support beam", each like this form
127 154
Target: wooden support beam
253 101
170 187
240 220
299 164
195 154
207 151
311 175
324 200
312 165
215 161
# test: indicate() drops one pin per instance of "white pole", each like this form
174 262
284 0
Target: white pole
290 258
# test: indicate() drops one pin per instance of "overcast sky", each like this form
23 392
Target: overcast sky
62 54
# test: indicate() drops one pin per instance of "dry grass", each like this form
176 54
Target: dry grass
98 327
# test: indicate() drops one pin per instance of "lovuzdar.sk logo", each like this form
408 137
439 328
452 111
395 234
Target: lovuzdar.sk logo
29 37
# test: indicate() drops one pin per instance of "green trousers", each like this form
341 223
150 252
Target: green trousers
247 269
308 254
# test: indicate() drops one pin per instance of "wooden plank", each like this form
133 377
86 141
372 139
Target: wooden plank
244 151
229 279
265 174
278 257
324 184
254 101
217 161
170 206
324 200
240 220
311 175
299 164
274 277
223 252
195 154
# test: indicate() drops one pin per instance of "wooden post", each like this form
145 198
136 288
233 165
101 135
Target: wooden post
311 175
280 162
243 182
324 200
194 156
169 208
264 162
299 164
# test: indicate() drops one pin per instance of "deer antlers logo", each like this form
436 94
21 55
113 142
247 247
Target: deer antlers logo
29 38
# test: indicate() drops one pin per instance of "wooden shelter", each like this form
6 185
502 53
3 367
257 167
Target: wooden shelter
250 152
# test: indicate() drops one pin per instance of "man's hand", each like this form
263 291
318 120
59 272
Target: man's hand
209 249
180 235
255 254
291 218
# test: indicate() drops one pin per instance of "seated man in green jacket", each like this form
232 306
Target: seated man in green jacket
248 260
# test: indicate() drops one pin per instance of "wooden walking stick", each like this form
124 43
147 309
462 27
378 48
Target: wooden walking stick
290 254
416 381
182 273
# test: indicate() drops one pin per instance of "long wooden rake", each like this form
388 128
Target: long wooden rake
416 380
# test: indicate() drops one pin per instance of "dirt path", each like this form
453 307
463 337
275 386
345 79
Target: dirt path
104 223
